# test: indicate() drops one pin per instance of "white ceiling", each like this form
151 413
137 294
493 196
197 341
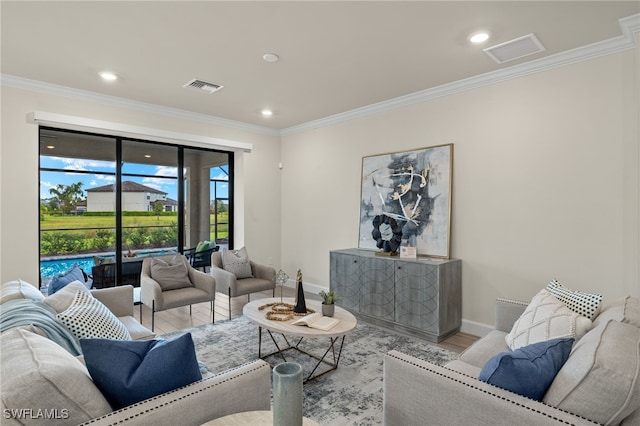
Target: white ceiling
336 56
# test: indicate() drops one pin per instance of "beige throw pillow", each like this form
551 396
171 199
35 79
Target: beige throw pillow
19 290
546 318
601 379
237 262
63 298
38 374
170 273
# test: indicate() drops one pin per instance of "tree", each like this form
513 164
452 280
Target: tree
66 197
158 208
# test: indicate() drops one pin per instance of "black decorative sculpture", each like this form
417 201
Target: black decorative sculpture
301 306
387 233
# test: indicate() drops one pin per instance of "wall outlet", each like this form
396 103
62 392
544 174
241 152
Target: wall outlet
270 260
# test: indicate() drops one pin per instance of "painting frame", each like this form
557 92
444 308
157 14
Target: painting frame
415 188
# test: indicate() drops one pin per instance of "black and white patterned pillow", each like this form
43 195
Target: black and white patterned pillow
87 317
237 262
585 304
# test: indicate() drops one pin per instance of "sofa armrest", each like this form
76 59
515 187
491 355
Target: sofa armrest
415 390
507 313
245 388
119 299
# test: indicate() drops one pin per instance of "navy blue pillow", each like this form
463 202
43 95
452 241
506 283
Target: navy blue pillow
129 371
529 370
70 275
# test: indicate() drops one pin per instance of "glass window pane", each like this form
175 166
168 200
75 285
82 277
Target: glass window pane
77 200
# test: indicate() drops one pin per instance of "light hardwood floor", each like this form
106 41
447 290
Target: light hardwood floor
179 319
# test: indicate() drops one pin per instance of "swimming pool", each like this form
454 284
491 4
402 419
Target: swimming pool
49 268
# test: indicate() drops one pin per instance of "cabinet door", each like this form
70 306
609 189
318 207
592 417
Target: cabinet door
377 297
417 296
345 275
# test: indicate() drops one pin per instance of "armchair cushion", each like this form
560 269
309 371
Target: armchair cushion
131 371
170 273
87 317
237 262
529 370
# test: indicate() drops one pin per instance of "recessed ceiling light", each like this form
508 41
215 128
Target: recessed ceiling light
267 113
479 37
271 57
50 146
147 156
108 75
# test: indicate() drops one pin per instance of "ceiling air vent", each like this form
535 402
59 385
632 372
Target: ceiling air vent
514 49
203 86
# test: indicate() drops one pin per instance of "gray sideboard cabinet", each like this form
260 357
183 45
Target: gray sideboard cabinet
420 296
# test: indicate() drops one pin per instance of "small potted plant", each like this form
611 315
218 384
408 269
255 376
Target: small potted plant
328 302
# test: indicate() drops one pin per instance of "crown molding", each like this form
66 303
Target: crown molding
84 95
629 25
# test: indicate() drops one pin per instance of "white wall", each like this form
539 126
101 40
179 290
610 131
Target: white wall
260 178
545 182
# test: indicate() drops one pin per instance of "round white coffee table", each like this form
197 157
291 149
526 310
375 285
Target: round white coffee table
252 418
336 335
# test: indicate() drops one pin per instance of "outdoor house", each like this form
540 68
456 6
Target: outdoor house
135 197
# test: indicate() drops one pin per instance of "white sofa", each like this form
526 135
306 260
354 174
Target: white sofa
599 383
43 384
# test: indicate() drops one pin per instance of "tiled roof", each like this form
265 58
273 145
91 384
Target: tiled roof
127 186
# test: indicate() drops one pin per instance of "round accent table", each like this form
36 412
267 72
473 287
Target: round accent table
335 335
252 418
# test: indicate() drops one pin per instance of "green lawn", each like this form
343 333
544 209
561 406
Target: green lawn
82 234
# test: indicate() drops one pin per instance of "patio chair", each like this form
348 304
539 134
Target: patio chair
200 259
164 284
264 278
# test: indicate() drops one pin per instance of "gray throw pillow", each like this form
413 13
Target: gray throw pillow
170 273
237 262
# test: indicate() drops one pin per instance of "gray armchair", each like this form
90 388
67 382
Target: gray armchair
152 295
264 278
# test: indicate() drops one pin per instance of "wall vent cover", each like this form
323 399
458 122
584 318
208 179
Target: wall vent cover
203 86
514 49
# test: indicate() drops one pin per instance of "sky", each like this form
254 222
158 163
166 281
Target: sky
158 177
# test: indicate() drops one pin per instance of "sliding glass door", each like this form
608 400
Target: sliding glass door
111 201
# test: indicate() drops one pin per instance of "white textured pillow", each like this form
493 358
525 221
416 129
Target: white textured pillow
546 318
87 317
237 262
585 304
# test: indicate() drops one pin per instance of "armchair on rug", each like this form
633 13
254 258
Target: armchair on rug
236 275
170 281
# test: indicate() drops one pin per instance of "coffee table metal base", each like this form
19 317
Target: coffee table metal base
333 348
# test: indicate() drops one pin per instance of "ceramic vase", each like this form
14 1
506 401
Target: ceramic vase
287 394
327 310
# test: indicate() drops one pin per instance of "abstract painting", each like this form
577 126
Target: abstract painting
414 188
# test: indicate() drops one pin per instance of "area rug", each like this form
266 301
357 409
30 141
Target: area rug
350 395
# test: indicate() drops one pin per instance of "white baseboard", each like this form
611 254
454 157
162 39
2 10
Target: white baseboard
475 328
